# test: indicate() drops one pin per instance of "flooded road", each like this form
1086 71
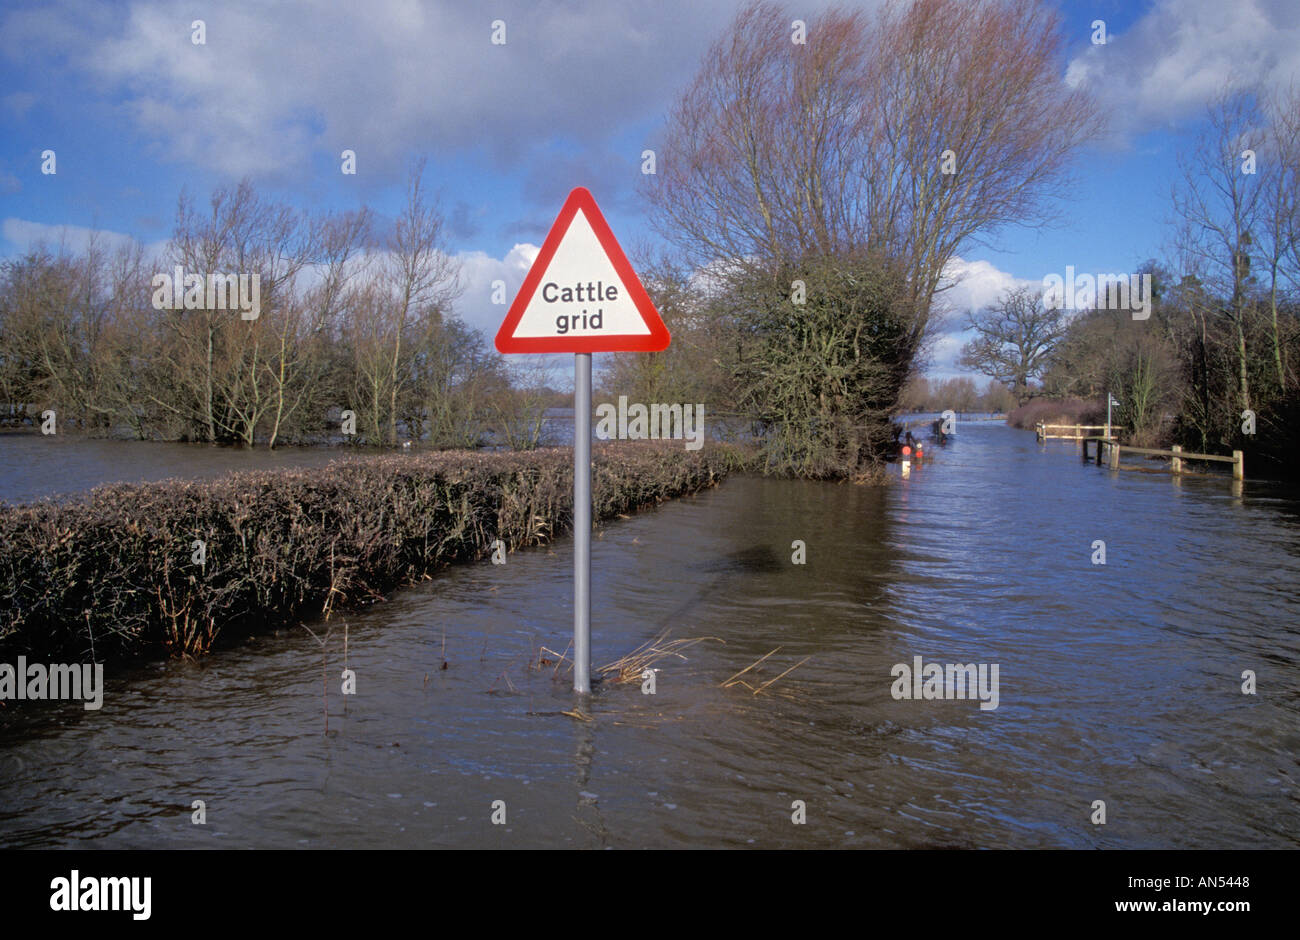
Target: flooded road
1119 682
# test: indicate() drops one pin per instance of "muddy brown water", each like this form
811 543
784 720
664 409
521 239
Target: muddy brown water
1119 683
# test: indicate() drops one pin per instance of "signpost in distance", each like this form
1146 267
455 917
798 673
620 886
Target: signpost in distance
581 296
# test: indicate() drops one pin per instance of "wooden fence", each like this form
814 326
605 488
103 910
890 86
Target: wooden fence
1175 454
1176 457
1076 431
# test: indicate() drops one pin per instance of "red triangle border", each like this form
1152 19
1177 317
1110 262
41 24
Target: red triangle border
657 339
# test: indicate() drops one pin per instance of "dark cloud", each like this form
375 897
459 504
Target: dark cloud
462 221
385 78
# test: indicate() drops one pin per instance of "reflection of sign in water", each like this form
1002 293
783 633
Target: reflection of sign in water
581 294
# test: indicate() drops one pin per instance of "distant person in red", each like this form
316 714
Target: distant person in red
913 446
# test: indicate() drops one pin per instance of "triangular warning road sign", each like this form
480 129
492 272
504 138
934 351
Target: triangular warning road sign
581 294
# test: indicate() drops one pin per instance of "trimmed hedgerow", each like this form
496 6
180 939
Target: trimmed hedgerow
113 573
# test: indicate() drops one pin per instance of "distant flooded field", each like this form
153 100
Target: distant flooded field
33 466
1119 682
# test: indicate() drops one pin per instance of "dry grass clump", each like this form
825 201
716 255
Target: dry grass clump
631 667
762 687
628 668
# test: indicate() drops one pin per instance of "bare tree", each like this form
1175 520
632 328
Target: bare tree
1015 338
692 368
520 409
127 340
307 326
959 393
916 394
1280 216
79 331
914 135
1217 209
368 337
425 278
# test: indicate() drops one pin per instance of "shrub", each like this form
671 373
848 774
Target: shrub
1063 411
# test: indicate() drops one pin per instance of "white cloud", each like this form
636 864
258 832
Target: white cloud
971 285
23 235
475 307
1172 61
478 271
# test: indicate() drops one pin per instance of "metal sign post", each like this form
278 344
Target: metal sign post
581 296
582 522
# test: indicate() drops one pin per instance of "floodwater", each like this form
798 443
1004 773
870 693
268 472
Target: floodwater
34 466
1119 682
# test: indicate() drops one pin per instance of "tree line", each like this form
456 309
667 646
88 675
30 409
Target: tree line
351 318
961 393
1212 364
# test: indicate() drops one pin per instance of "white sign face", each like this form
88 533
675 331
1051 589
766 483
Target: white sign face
581 294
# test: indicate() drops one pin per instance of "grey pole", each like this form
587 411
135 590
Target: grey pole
582 522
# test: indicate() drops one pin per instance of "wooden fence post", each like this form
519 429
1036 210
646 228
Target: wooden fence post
1238 465
1114 456
1176 465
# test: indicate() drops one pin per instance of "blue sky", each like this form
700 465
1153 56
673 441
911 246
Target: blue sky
135 111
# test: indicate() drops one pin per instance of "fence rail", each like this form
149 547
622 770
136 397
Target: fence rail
1175 454
1076 430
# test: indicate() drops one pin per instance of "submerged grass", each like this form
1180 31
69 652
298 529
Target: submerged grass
113 575
759 689
632 667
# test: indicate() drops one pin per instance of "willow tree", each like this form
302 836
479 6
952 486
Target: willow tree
915 134
910 135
